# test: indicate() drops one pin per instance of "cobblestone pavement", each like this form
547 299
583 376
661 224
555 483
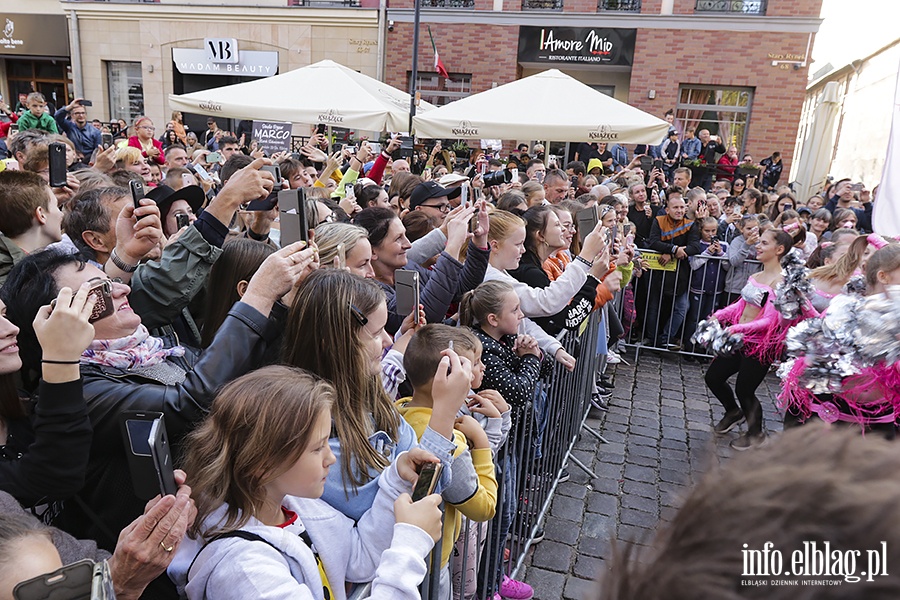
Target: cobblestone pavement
659 428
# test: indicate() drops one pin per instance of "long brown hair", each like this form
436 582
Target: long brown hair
240 259
259 426
323 336
843 268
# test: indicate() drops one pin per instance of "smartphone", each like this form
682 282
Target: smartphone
275 170
856 187
320 128
137 192
292 216
646 164
350 192
262 204
658 164
162 457
213 157
57 160
429 475
473 222
182 220
200 172
539 176
71 581
102 291
86 103
146 479
464 196
106 140
406 284
587 219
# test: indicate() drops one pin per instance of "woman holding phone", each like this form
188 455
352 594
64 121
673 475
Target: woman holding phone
124 368
449 278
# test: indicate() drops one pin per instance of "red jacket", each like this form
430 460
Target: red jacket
134 142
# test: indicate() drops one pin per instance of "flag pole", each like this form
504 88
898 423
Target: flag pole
415 65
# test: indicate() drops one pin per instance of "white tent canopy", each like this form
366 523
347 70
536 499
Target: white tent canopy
815 155
324 92
547 106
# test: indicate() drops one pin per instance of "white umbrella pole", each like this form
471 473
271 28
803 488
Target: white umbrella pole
546 153
329 140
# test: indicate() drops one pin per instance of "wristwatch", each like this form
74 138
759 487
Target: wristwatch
121 264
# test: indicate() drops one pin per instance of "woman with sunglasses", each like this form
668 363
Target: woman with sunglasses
44 446
124 368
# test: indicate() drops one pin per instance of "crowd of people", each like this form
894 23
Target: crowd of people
301 397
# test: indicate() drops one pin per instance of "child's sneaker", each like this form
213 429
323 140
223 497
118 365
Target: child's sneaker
511 589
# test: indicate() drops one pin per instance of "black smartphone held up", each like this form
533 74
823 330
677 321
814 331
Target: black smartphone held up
86 103
267 203
320 128
57 159
71 581
275 170
182 220
106 140
137 193
646 164
406 283
162 457
147 447
429 475
587 219
473 222
292 216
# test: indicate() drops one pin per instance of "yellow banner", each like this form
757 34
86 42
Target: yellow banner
652 259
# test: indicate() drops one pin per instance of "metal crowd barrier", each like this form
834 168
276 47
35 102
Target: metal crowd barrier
657 296
556 417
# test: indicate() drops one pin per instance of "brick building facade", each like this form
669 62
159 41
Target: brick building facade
736 67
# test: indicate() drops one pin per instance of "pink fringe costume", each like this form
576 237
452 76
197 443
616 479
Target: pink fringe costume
764 335
870 398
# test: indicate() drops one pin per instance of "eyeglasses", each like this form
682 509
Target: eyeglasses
443 207
148 127
331 218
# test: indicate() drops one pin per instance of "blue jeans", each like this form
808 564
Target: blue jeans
679 310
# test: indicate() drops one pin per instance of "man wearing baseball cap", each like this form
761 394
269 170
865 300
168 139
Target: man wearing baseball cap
433 199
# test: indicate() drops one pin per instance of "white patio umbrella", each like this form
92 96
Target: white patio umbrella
324 92
818 147
548 106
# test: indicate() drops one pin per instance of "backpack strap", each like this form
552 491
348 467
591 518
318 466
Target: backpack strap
238 533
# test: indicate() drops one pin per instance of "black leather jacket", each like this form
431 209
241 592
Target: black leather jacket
238 348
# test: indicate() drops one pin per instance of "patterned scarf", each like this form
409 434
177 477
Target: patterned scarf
670 229
135 351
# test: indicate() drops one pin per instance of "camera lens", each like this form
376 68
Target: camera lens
497 177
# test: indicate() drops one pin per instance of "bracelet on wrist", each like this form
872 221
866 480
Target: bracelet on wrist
61 362
585 261
121 264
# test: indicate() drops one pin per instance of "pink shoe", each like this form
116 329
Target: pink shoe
511 589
